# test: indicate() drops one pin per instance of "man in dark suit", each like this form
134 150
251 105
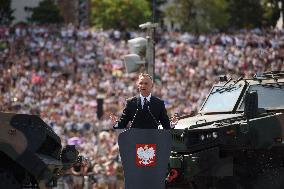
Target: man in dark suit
144 111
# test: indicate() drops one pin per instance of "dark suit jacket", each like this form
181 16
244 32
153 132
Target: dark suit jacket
148 118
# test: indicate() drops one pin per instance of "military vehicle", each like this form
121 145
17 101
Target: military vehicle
31 155
235 140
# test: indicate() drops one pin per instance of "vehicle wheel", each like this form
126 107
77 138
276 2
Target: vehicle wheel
202 183
7 180
184 185
272 178
229 182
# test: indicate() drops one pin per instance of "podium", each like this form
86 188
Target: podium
145 155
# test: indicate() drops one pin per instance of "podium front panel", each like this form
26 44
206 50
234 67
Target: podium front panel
145 155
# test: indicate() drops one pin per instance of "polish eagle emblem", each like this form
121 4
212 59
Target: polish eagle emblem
145 155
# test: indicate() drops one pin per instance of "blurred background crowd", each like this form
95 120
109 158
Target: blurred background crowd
74 78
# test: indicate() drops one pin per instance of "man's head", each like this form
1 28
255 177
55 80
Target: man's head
145 84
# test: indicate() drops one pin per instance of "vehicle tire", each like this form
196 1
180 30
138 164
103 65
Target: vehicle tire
7 180
202 183
229 182
181 185
272 178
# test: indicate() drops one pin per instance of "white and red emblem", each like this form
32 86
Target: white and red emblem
145 155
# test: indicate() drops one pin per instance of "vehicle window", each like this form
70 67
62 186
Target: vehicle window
222 99
270 96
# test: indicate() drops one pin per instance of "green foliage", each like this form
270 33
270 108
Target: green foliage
271 12
199 15
208 15
158 13
46 12
120 13
245 13
6 13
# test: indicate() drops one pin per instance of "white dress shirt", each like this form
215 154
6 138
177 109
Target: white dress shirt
142 99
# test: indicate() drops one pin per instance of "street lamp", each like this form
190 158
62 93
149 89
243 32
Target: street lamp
142 51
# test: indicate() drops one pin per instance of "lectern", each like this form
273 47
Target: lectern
145 155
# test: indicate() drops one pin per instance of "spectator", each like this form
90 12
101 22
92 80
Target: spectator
58 72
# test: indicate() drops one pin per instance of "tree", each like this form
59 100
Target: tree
198 15
120 14
245 13
6 13
158 13
46 12
271 11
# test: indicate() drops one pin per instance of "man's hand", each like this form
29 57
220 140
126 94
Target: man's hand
174 119
113 118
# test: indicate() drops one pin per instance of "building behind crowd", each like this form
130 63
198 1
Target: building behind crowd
76 12
21 9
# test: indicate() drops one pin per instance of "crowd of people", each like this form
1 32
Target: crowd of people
60 73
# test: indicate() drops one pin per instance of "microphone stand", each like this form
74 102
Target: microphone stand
152 115
133 118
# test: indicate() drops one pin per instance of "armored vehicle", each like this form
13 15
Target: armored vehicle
31 155
235 140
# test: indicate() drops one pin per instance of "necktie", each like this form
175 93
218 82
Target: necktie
145 103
